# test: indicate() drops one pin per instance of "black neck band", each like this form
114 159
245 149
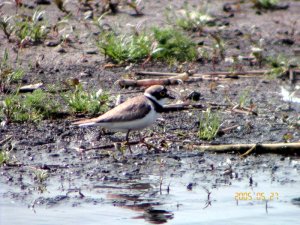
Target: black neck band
158 107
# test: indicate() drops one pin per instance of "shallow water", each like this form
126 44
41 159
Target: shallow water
103 204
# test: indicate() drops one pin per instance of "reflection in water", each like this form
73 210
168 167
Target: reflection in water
216 196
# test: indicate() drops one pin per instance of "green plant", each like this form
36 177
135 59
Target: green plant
41 105
218 46
6 25
124 48
4 157
80 101
172 44
8 74
41 175
265 4
279 65
244 98
209 125
32 28
31 107
192 20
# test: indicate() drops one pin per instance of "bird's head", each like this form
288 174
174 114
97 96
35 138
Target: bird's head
158 93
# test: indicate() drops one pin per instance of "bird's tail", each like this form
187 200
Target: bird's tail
85 123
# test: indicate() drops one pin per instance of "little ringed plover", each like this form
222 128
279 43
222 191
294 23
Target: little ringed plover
134 114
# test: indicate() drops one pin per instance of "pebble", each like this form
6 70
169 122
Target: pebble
60 49
42 2
92 51
52 43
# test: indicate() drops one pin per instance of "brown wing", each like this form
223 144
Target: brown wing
135 108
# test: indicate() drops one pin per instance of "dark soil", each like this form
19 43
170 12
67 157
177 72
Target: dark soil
55 146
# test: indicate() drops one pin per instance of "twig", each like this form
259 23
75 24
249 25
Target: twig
224 130
244 111
249 151
278 148
253 72
179 78
5 140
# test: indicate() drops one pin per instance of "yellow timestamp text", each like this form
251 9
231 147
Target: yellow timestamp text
256 196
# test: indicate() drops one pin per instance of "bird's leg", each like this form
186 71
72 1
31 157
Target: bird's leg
127 140
148 145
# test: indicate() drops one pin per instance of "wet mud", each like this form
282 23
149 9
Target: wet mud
61 174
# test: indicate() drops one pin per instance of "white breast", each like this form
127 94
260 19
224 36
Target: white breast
138 124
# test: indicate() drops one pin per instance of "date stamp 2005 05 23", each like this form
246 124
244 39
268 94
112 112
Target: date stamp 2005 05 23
257 196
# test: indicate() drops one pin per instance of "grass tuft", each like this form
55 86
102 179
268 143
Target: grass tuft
172 44
209 125
8 74
31 107
80 101
124 48
164 44
265 4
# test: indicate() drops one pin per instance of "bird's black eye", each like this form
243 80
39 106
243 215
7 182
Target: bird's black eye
163 93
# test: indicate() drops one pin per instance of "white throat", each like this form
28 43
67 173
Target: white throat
160 102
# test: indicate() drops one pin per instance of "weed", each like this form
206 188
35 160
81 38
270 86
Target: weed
4 157
81 101
31 28
258 54
6 25
244 98
209 125
279 65
192 20
31 107
40 105
26 29
166 44
218 46
8 75
172 44
265 4
40 175
125 48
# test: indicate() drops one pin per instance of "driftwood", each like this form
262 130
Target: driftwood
189 77
179 78
30 87
161 74
279 148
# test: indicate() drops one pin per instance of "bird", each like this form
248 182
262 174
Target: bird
136 113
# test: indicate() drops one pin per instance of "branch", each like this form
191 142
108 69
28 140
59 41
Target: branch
278 148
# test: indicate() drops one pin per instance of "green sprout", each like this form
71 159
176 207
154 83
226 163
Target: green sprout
172 44
280 65
8 74
244 98
265 4
4 157
192 20
6 26
32 29
124 48
30 107
41 175
209 125
80 101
